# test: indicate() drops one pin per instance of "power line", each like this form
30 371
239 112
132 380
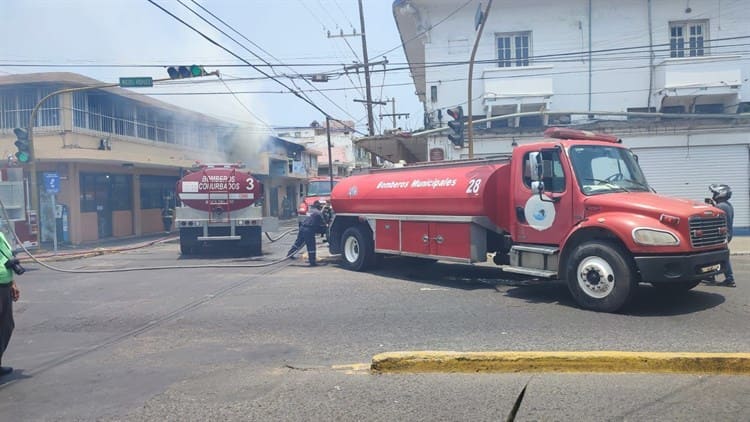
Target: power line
209 39
241 45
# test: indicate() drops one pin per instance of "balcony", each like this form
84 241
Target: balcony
705 80
516 89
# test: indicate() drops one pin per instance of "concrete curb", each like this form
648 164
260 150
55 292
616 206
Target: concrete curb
587 361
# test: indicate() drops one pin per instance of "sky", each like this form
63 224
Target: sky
109 39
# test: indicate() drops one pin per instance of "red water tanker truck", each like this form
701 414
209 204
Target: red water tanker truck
574 207
219 206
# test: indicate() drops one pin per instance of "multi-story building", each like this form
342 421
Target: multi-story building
588 64
118 154
344 155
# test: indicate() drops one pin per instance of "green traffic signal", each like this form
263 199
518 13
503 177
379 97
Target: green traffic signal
182 72
197 71
23 144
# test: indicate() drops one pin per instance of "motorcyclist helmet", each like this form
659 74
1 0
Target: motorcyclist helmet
720 192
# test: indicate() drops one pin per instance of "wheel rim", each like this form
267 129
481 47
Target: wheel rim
351 249
596 277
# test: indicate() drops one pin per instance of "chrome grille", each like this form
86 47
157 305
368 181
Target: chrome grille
707 231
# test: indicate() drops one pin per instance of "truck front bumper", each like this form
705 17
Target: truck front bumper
673 268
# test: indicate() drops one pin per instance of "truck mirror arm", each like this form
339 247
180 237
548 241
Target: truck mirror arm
540 190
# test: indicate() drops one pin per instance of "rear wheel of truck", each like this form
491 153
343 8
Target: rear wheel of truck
357 249
599 276
188 241
251 240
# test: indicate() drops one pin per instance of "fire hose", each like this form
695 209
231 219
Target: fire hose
151 243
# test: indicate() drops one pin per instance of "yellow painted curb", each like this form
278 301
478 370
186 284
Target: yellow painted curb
589 361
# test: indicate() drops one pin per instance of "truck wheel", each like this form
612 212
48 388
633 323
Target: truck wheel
188 241
599 277
676 287
251 239
186 246
357 249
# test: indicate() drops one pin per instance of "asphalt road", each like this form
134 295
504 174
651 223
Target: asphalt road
288 342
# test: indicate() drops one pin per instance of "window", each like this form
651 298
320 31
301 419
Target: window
513 49
554 176
105 192
155 190
16 106
687 38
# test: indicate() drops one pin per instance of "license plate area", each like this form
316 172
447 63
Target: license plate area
710 268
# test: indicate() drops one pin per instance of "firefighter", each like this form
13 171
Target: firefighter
167 215
720 196
312 224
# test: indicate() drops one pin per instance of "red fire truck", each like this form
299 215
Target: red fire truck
318 189
575 207
218 205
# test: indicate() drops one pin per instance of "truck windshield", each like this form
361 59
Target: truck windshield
605 169
320 188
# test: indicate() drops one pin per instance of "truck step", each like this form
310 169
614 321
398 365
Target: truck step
544 250
529 271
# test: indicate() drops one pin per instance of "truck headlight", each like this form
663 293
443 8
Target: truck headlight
653 237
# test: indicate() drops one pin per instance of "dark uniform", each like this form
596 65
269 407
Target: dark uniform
721 195
312 224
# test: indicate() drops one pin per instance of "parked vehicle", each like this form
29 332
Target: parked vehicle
574 207
318 189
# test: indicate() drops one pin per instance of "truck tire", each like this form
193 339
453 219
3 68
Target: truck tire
188 241
357 249
599 276
251 240
676 287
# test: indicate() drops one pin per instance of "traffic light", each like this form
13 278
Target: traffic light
23 144
457 125
183 72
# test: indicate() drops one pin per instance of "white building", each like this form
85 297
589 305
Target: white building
580 61
344 155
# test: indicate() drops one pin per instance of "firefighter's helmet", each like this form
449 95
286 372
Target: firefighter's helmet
720 192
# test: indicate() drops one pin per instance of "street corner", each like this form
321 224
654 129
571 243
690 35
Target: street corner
562 361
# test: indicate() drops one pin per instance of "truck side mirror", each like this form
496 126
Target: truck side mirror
535 166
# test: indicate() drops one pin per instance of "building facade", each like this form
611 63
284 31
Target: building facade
669 77
118 155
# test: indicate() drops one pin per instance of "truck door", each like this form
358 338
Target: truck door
546 219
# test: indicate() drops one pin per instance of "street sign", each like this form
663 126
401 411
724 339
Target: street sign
137 82
52 182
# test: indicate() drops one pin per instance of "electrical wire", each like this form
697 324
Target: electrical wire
257 56
209 39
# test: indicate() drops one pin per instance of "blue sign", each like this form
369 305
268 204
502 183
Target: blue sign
52 182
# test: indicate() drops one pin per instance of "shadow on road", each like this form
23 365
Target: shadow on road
647 301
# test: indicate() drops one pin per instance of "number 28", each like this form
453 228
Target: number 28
474 186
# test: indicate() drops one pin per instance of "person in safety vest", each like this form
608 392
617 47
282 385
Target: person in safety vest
312 224
9 293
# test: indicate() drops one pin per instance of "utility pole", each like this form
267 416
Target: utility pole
481 18
394 114
370 122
